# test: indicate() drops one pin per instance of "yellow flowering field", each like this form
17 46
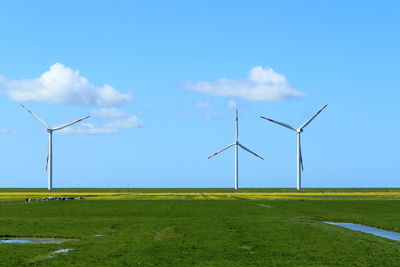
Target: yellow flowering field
14 196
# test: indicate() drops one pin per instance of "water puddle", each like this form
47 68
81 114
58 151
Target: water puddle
98 235
54 253
15 241
64 250
370 230
263 205
28 240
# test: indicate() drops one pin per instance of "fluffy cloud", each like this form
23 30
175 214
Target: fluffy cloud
62 85
208 115
232 104
202 105
106 121
262 84
6 131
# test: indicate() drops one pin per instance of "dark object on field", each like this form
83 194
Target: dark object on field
57 198
53 198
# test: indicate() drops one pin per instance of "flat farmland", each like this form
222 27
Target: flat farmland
200 227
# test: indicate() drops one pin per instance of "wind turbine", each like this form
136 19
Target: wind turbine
299 131
237 145
49 159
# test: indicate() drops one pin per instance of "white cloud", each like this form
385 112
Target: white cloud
183 113
6 131
62 85
232 104
108 113
262 84
202 105
106 121
2 79
208 115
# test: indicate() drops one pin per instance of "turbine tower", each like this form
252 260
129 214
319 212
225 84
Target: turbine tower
298 131
237 145
49 159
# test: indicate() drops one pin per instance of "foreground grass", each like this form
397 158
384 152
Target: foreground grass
212 232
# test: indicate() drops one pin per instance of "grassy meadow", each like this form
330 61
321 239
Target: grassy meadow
200 227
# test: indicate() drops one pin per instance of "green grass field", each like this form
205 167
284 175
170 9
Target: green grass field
200 229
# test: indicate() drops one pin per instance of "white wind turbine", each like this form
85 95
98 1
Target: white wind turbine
237 145
49 159
299 131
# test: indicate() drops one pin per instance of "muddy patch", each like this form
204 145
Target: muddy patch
166 234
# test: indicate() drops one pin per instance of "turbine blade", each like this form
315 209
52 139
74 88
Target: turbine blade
280 123
47 158
301 158
35 116
315 115
248 150
216 153
68 124
237 125
301 163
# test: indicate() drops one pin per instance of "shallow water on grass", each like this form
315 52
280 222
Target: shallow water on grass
28 240
54 253
64 250
263 205
15 241
369 230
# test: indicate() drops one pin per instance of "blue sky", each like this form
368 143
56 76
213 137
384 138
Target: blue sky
161 81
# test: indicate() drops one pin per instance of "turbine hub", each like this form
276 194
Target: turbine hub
299 130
